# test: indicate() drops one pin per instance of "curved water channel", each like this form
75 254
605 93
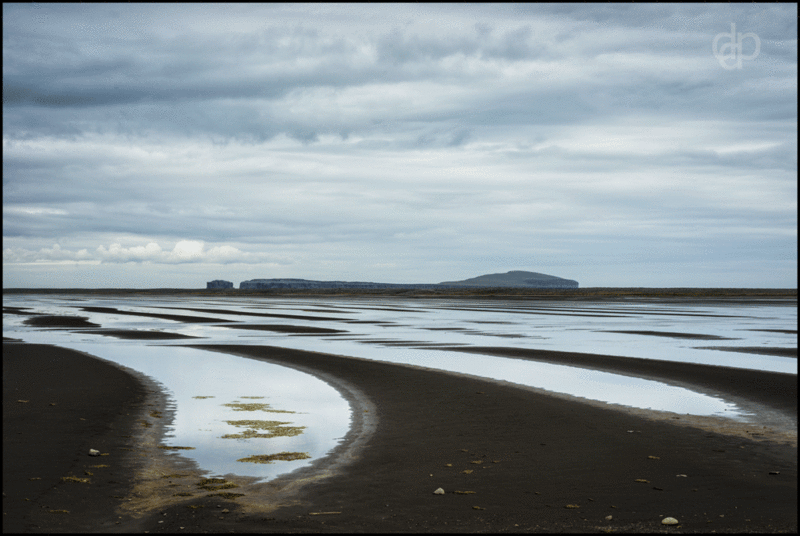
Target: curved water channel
306 415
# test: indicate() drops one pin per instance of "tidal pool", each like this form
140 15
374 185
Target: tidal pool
405 331
214 395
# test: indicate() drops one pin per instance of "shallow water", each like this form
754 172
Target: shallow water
401 331
198 384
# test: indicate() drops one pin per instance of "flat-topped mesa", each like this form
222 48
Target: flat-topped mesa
286 283
218 283
515 279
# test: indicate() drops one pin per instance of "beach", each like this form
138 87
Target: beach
508 459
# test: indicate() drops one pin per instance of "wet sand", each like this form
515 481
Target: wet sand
774 389
673 335
509 459
138 334
780 352
58 404
176 318
283 328
59 321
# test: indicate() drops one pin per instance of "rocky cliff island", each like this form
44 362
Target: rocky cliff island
219 283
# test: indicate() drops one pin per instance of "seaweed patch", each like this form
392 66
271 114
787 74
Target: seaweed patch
216 484
75 479
226 495
269 458
273 429
253 406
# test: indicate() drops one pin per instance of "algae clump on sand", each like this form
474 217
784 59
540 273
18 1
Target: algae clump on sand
216 484
75 479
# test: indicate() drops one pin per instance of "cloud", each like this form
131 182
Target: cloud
255 84
54 254
414 141
117 253
184 251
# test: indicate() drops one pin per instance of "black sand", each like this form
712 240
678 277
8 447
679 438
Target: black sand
58 404
545 463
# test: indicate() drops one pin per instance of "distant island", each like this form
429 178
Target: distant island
513 279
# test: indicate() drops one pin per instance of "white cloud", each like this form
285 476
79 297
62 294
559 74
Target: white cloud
184 251
117 253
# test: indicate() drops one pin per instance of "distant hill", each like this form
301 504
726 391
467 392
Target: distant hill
516 278
308 284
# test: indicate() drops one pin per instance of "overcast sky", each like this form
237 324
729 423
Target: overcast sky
169 145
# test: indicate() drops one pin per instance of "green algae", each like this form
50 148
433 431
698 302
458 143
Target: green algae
254 406
216 484
226 495
269 458
273 429
75 479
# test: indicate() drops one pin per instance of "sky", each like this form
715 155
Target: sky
619 145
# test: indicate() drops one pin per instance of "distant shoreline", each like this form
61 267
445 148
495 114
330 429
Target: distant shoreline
601 293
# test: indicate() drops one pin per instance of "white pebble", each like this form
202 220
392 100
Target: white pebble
669 521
